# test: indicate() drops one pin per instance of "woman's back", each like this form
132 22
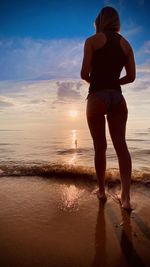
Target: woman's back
107 61
102 51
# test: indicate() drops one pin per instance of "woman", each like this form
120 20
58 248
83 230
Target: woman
105 55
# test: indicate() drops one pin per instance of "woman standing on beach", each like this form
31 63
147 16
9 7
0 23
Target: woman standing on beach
105 55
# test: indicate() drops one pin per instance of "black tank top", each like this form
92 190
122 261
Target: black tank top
107 64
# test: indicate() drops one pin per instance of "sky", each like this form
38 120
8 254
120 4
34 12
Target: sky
41 50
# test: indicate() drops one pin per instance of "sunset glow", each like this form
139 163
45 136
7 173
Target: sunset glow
73 113
64 99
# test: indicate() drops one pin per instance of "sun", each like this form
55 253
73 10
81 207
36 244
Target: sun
73 113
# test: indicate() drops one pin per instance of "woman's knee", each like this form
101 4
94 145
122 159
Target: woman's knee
120 146
100 147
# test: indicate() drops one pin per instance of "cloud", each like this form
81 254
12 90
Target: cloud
40 59
146 47
68 91
144 50
142 56
42 94
5 102
142 84
43 101
142 81
37 101
143 68
130 28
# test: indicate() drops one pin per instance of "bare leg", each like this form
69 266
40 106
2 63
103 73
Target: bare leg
96 123
97 129
117 128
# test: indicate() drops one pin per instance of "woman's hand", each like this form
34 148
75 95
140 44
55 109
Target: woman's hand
130 69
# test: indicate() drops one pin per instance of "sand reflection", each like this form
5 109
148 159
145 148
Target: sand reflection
70 197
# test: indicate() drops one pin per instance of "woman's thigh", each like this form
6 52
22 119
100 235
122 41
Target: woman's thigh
117 123
96 110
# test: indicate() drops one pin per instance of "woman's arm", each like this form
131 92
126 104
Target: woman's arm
130 69
86 64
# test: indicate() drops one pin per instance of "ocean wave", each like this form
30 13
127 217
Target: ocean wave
69 171
135 140
73 150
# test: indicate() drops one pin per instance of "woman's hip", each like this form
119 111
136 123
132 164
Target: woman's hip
106 102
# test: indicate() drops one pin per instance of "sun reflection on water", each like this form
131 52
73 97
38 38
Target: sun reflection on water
72 159
74 138
74 144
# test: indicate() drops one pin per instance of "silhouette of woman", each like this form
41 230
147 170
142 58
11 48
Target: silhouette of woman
105 55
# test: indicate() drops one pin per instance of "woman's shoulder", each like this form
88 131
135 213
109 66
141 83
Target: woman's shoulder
96 40
125 45
96 36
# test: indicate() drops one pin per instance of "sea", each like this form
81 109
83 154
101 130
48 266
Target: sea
39 134
69 152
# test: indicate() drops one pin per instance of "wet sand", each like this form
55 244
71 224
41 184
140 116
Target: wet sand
58 222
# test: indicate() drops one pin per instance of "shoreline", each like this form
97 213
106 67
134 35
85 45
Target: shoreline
70 172
51 222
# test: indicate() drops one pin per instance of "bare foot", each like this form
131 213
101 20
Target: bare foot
101 196
125 204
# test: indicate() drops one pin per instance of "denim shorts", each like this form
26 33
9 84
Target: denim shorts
111 101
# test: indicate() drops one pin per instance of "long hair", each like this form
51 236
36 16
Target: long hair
107 20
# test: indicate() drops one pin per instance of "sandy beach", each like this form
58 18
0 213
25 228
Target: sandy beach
60 222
